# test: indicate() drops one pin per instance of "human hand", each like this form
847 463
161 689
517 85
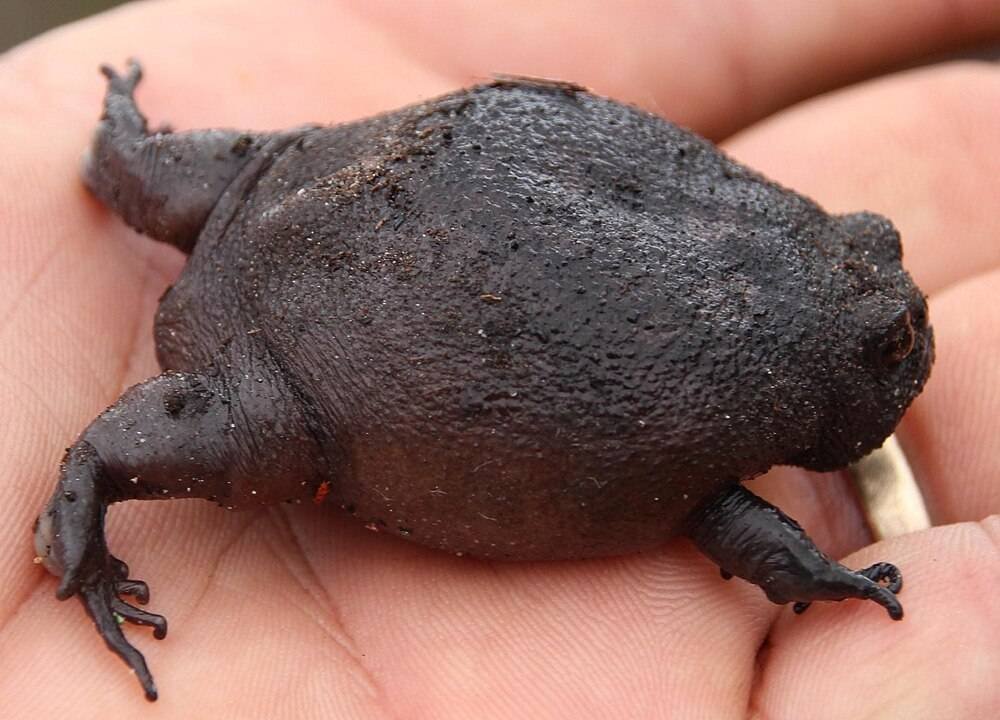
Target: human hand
301 612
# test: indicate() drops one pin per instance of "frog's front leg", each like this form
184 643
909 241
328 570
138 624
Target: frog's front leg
234 433
754 540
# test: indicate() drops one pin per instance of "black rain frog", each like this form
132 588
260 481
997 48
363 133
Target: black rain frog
517 322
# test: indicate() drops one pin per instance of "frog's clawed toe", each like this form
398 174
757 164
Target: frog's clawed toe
124 585
886 581
138 616
879 582
887 572
121 584
123 84
134 588
108 611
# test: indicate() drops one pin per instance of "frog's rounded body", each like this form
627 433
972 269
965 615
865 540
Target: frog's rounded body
535 323
517 322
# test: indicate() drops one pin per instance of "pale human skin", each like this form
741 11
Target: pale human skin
301 612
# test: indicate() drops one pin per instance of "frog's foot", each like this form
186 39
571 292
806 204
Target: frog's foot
69 540
123 84
883 594
750 538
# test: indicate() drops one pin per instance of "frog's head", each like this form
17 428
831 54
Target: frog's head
880 351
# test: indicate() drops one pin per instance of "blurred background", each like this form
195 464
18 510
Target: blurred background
22 19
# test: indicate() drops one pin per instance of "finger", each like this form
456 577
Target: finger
336 66
714 66
919 147
713 69
940 661
951 435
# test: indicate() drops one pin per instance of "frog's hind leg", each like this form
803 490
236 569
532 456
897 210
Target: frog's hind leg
751 538
163 184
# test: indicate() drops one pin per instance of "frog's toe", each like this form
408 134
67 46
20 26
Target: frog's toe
105 609
138 616
134 588
123 84
885 594
884 572
118 573
879 582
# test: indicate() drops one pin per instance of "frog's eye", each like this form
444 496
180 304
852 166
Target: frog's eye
896 344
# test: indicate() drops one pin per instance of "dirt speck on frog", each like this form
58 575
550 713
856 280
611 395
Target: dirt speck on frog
516 322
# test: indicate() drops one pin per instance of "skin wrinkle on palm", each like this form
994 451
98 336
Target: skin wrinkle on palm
420 620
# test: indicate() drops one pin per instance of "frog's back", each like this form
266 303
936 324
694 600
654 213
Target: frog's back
527 295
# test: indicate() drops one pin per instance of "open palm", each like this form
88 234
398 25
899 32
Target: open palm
303 613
